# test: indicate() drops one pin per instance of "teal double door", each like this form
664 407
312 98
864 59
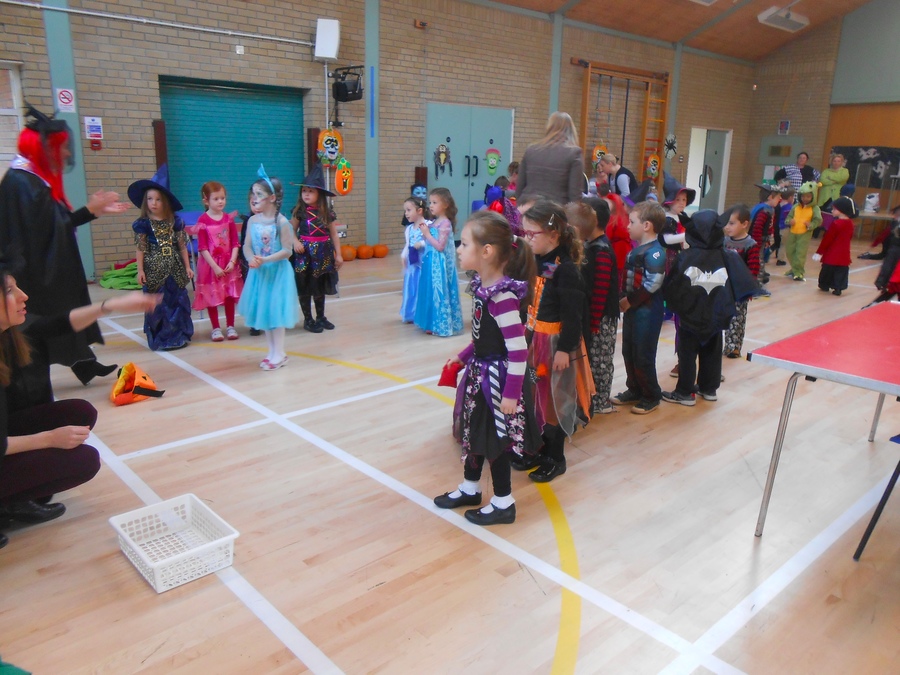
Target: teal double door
466 149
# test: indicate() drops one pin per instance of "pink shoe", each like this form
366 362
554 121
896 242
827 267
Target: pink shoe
264 364
269 365
231 333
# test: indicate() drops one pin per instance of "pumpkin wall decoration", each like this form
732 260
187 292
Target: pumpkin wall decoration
365 252
348 252
380 251
343 177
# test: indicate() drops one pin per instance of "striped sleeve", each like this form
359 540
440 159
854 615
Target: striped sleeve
603 272
753 260
504 307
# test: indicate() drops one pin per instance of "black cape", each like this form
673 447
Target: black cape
37 235
707 280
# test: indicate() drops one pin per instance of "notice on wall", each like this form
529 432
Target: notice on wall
65 100
93 128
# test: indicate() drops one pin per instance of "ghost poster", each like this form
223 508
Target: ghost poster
871 165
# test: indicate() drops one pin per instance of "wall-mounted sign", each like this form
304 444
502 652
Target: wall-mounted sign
93 128
784 127
65 100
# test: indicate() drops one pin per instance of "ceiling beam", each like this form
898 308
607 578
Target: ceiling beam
709 24
569 5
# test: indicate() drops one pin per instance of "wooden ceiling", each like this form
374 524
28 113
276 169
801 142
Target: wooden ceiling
726 27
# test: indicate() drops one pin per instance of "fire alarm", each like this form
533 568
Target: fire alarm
96 145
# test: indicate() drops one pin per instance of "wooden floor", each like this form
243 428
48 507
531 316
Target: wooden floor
641 559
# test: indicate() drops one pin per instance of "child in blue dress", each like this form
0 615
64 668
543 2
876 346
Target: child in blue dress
162 262
414 212
438 310
269 300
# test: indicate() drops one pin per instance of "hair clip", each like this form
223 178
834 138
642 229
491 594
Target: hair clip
550 222
261 172
515 242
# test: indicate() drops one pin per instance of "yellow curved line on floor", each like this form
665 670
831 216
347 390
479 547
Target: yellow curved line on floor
567 640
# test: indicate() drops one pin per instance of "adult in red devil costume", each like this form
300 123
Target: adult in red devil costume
37 234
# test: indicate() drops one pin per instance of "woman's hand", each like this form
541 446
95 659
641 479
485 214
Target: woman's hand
68 437
103 203
560 361
508 406
135 301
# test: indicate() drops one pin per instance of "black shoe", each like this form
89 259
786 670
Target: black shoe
324 323
445 501
835 292
44 500
496 517
780 263
548 470
626 397
525 462
30 512
869 256
4 540
255 331
312 326
86 371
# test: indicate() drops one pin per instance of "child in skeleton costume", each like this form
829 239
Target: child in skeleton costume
493 416
317 250
557 354
738 239
162 262
601 307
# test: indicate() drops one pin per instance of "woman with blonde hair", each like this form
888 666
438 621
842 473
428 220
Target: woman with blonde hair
621 181
553 168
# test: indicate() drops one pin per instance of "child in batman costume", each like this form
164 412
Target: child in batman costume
705 283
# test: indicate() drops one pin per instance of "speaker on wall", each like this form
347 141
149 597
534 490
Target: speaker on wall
328 38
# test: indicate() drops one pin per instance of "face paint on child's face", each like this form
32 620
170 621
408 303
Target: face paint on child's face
310 196
216 201
420 192
155 203
259 198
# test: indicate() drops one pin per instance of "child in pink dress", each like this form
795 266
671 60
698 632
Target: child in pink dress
218 275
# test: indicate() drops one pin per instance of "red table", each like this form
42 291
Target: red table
861 350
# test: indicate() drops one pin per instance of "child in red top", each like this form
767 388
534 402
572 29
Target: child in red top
834 251
219 279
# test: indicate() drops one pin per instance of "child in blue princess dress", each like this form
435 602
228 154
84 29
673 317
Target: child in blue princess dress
438 309
414 211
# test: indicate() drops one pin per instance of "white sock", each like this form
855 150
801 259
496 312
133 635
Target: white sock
270 344
277 345
469 487
503 502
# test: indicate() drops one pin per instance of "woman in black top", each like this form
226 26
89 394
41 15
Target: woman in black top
42 442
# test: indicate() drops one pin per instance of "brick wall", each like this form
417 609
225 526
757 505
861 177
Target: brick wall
469 54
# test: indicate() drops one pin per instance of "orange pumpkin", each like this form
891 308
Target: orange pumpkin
380 251
365 252
348 252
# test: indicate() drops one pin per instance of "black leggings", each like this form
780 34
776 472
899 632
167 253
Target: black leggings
501 472
41 473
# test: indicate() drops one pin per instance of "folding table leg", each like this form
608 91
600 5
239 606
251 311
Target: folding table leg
776 451
878 407
877 514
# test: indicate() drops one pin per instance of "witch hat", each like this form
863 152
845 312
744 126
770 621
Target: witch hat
160 181
672 188
316 179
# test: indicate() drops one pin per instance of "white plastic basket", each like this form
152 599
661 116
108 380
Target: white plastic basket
175 541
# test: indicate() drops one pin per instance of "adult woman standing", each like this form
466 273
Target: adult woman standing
37 233
621 181
832 180
42 442
553 168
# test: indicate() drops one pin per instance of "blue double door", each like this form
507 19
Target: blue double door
466 149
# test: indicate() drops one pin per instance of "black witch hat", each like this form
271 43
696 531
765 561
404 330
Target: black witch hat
316 179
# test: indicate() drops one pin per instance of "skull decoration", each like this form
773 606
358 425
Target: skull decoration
331 147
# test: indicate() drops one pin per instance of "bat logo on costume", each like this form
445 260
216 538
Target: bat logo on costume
709 281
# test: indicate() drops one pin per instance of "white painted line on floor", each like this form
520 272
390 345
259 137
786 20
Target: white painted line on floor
371 283
592 595
730 624
864 268
362 297
275 621
250 425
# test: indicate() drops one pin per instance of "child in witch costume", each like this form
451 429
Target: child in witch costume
317 250
162 261
834 251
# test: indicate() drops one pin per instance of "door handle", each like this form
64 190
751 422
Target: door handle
468 166
475 157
